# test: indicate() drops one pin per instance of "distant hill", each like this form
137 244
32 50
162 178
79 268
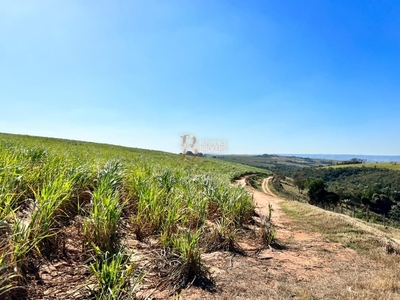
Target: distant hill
368 158
286 162
277 162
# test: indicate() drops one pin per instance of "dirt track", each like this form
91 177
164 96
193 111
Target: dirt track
299 261
306 254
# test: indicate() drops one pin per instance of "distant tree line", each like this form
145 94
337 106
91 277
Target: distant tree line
352 161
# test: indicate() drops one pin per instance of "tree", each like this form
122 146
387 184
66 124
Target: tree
318 195
276 180
381 204
331 198
316 190
394 212
300 182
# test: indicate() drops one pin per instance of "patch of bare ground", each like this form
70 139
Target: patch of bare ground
64 274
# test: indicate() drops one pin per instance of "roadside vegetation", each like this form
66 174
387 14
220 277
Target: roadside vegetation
256 181
90 203
372 194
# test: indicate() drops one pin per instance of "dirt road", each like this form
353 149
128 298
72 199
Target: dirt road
305 255
266 189
300 265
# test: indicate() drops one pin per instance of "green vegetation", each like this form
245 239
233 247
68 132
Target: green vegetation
377 165
369 193
113 275
317 193
286 188
103 194
256 181
277 163
353 161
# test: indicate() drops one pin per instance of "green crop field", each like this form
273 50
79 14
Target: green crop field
277 162
86 202
380 165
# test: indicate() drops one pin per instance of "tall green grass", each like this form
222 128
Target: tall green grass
100 227
47 184
115 275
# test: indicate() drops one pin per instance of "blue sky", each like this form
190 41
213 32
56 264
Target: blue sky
265 76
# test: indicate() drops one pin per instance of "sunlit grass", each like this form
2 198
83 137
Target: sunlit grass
380 165
114 274
46 183
100 227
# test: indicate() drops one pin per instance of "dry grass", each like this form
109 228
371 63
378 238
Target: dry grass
289 191
371 274
341 228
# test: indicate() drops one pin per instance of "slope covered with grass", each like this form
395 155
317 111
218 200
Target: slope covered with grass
51 188
380 165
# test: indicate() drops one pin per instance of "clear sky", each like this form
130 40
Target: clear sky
266 76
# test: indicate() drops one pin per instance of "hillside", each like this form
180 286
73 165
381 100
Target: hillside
88 221
370 192
341 157
379 165
277 162
112 222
